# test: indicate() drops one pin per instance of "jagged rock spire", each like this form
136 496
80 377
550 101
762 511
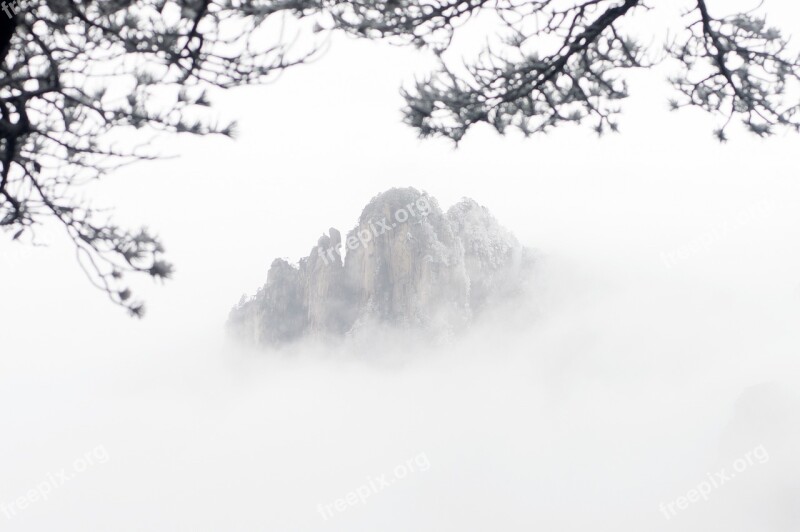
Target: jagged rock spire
406 264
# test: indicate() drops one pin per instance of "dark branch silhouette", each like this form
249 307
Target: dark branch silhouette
78 75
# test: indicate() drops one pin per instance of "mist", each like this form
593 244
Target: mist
586 408
656 347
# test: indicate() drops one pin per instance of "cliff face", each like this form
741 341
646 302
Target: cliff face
409 269
493 258
406 264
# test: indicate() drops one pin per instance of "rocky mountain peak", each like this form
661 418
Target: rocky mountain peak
405 264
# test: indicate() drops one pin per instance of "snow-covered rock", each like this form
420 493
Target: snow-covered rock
406 264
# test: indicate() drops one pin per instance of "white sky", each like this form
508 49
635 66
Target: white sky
201 438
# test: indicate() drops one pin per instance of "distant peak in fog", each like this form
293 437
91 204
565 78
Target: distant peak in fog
406 264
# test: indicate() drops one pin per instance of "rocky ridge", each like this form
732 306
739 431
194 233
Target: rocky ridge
407 264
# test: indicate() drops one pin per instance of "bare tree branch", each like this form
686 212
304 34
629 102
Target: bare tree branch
76 74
